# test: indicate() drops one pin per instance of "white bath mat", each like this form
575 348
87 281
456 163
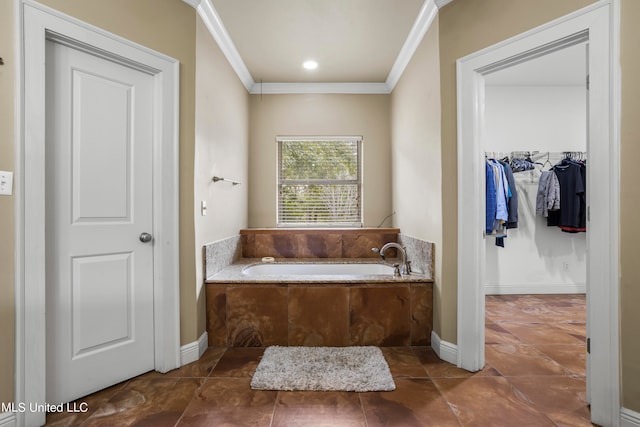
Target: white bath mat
323 369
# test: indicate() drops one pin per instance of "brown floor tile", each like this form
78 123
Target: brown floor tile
572 357
489 401
92 402
496 334
147 401
201 367
238 362
521 308
540 333
521 385
577 330
403 362
438 368
415 402
563 399
229 402
518 360
311 408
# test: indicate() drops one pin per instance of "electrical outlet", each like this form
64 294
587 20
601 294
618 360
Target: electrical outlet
565 266
6 183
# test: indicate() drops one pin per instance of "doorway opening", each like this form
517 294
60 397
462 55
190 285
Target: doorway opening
591 25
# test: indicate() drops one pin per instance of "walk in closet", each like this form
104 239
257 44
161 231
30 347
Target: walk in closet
536 126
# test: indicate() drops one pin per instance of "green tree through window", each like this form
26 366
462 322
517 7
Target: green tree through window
319 182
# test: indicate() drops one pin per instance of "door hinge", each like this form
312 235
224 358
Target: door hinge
589 345
587 81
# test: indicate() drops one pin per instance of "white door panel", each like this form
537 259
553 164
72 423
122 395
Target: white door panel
99 200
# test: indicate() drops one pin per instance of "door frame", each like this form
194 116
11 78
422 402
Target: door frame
36 24
598 23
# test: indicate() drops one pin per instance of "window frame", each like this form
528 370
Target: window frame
280 182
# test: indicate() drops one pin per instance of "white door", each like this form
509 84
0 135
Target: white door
99 272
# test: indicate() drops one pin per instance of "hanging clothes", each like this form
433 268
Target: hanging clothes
512 204
571 217
501 200
548 196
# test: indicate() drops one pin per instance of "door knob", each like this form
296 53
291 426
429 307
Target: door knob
146 237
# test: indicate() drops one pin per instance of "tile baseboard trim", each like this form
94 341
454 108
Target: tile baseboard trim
445 350
523 289
629 418
8 419
194 350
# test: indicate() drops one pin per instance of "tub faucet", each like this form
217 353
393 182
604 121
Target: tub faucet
406 265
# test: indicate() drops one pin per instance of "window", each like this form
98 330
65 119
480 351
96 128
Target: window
319 181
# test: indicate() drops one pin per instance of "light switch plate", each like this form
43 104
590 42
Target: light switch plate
6 183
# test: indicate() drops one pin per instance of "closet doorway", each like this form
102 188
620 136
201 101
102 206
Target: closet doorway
591 25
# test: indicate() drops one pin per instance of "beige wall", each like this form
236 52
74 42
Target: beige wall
366 115
7 309
221 148
467 26
630 204
416 153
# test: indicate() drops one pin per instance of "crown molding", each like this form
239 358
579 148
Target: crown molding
442 3
424 20
215 26
334 88
193 3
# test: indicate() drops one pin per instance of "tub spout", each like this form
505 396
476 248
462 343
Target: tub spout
405 267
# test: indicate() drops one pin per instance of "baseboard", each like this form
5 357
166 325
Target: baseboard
629 418
530 288
445 350
8 419
194 350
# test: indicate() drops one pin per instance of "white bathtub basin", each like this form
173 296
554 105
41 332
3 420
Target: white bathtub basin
302 269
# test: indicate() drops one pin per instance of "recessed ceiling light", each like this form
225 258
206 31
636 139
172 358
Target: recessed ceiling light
310 65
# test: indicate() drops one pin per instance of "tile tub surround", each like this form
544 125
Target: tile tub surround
315 243
245 311
345 244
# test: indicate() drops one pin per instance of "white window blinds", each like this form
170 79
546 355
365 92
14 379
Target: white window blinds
319 181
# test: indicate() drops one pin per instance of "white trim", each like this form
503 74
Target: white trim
425 18
8 419
348 88
442 3
603 196
194 350
538 288
215 26
193 3
35 23
629 418
350 138
445 350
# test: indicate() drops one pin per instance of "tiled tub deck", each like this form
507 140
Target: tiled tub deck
245 311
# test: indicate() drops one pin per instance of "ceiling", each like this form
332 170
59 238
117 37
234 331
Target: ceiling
361 46
352 40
